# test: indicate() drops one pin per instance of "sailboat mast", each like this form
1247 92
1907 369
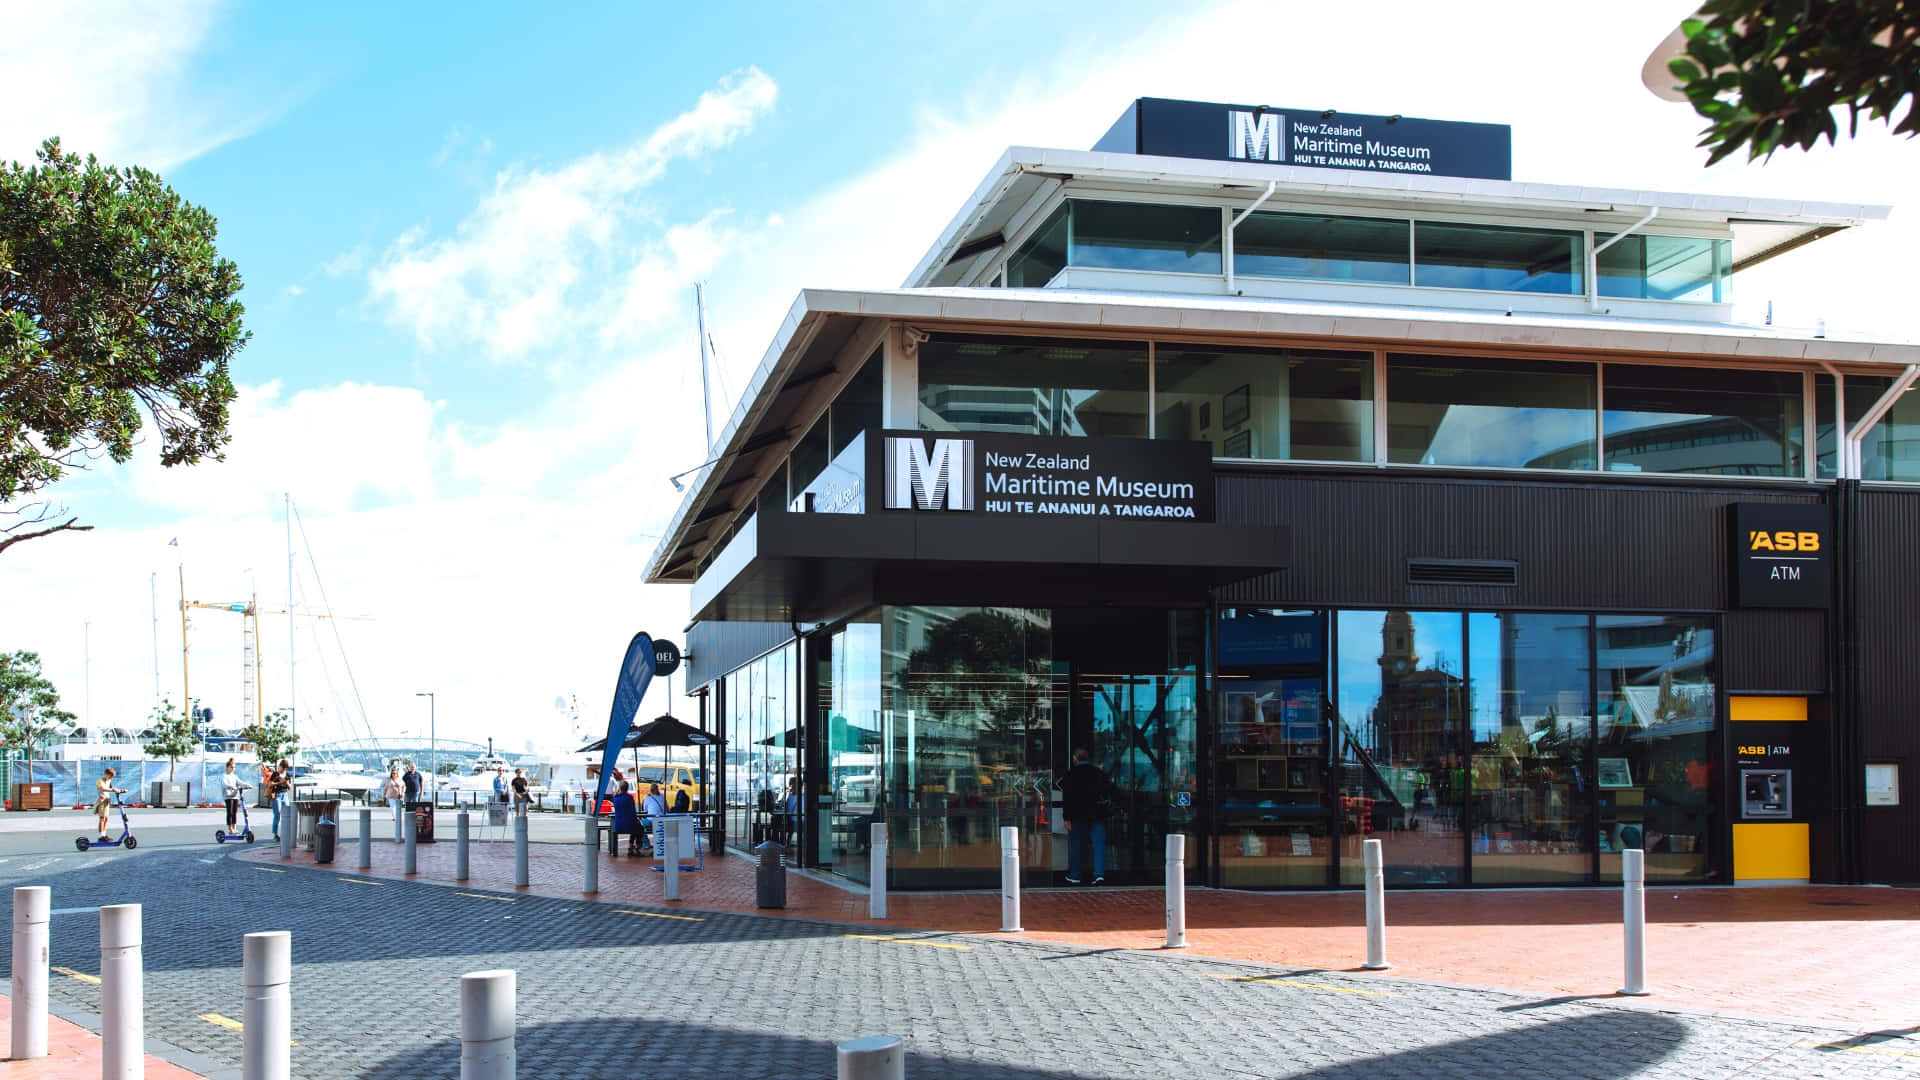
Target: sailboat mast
706 398
293 705
186 688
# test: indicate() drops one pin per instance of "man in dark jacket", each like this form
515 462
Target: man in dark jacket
411 778
1084 803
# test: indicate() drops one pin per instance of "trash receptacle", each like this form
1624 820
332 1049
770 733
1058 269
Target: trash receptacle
422 812
770 877
325 834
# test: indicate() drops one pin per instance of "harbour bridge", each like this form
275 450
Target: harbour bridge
374 755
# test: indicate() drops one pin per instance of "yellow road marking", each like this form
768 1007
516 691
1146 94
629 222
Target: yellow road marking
911 941
358 881
1274 981
81 975
656 915
484 896
233 1025
269 870
1887 1051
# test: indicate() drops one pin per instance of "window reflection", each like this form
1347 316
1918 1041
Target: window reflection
1320 246
1139 236
1272 404
1444 410
1688 420
1891 449
1452 256
1655 743
1033 386
1276 820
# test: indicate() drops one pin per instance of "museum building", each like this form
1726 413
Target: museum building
1323 483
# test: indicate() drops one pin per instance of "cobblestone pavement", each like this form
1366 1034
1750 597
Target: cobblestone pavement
606 989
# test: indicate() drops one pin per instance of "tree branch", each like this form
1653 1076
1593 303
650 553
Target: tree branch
62 527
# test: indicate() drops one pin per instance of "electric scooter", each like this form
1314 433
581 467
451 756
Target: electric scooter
125 839
221 836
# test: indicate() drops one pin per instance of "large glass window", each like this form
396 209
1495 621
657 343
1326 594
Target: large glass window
1655 743
1689 420
1042 256
1140 236
1891 449
1322 247
1532 731
856 728
1506 413
1275 816
1665 268
1498 257
1274 404
1033 386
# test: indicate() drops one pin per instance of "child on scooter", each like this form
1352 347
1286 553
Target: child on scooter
104 801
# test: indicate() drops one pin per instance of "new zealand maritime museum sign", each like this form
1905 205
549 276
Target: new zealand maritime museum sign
1319 138
1031 476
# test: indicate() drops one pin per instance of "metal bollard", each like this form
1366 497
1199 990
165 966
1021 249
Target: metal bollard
1010 880
522 877
591 883
123 1033
1374 861
32 925
462 832
670 850
877 871
266 1008
410 854
770 877
366 838
876 1057
289 825
1176 891
486 1025
1633 897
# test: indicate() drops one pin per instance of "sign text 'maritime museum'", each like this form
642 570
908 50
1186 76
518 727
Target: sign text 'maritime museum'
1039 476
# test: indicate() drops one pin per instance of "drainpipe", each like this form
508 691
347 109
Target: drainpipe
1226 251
1858 432
1593 258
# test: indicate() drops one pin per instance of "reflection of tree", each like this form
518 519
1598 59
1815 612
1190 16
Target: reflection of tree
980 663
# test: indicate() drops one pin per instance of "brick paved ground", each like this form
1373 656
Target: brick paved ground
72 1051
608 989
1848 957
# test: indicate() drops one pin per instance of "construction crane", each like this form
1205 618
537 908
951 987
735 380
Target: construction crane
252 697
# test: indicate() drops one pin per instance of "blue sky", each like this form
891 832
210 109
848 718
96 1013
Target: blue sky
469 236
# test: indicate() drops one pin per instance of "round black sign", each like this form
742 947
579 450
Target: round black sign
666 656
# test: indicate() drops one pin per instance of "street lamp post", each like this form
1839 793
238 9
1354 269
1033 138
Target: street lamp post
433 742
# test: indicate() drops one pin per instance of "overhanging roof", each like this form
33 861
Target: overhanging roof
1762 228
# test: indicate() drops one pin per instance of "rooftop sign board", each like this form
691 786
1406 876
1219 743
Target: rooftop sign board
1317 138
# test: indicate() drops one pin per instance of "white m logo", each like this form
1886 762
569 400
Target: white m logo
1256 137
919 478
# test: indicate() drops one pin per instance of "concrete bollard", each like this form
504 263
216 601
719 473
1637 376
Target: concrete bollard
486 1025
410 849
591 882
366 838
522 876
266 1007
877 871
32 933
462 833
1176 891
1633 896
123 1030
1375 863
1010 880
876 1057
289 825
670 850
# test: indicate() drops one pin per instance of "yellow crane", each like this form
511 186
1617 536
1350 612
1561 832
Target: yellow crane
252 697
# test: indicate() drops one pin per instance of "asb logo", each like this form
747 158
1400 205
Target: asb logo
929 477
1256 136
1782 541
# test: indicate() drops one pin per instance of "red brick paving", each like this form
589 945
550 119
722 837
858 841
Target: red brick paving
71 1051
1819 954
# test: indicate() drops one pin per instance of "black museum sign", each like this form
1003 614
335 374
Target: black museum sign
1035 476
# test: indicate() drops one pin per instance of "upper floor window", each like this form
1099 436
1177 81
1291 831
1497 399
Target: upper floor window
1139 236
1497 257
1322 247
1641 267
1033 386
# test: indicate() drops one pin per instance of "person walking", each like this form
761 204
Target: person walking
1085 803
279 782
232 789
395 792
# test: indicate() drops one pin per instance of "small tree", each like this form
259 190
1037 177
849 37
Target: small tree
173 735
29 705
272 739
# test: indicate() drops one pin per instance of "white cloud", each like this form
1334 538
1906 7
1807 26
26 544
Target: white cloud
547 243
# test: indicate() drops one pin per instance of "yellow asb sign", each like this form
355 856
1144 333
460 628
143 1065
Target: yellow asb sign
1783 541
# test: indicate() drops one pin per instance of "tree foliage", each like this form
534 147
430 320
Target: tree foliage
29 705
173 735
1771 73
272 739
115 307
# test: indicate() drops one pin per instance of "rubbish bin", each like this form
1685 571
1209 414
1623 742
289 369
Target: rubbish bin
422 812
325 834
770 877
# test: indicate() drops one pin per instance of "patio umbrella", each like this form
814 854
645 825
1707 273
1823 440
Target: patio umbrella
665 730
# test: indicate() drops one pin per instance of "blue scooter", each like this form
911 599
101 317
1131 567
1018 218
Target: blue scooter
221 836
125 839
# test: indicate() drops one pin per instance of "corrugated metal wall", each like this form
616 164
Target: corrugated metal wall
1890 676
715 648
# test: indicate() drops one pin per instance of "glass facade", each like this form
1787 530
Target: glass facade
1042 256
1033 386
1322 247
1274 404
1142 236
1640 267
1506 413
1693 420
1891 449
762 751
1497 257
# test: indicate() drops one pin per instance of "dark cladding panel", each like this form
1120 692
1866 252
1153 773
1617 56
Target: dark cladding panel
1890 676
1774 651
715 648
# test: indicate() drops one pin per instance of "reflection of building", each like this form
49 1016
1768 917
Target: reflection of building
1720 445
1420 708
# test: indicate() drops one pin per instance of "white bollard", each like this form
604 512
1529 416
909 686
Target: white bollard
366 838
591 884
1010 880
522 876
462 831
410 833
670 850
123 1032
32 925
1176 890
289 825
877 871
486 1025
1375 863
876 1057
266 1008
1633 867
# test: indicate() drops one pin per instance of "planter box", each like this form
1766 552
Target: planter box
33 796
163 793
